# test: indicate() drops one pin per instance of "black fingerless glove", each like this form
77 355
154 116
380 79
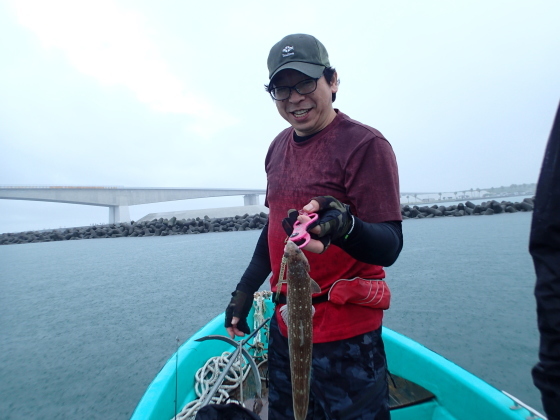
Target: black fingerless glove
239 306
335 219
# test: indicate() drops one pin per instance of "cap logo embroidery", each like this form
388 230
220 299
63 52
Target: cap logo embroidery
287 51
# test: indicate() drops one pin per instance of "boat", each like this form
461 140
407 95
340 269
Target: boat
423 384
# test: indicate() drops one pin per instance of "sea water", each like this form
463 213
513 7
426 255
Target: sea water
86 325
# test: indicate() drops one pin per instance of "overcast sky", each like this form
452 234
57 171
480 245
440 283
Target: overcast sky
141 93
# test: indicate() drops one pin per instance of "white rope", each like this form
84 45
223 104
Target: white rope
207 375
205 378
259 303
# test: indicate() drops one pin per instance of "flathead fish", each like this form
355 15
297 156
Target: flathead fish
300 326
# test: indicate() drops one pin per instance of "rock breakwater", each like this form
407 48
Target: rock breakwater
466 209
156 227
173 226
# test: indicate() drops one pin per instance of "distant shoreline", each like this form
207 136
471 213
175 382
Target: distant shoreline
486 208
496 197
173 226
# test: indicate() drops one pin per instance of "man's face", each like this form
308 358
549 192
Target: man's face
310 113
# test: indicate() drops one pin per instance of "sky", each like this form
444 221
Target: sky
170 93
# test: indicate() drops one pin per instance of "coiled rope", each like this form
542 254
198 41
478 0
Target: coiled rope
208 374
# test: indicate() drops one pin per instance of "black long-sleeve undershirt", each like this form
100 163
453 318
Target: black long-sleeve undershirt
374 243
371 243
259 266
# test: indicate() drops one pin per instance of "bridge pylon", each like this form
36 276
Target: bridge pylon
119 214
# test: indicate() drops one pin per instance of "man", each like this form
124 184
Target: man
345 171
544 246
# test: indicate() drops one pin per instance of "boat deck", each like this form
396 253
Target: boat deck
402 394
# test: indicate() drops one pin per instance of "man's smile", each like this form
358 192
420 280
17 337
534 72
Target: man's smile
300 112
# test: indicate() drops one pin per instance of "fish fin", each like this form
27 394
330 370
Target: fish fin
315 288
284 314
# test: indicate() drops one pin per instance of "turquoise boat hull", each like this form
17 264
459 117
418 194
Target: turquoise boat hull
459 395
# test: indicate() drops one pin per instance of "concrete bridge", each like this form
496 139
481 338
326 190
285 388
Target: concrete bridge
119 198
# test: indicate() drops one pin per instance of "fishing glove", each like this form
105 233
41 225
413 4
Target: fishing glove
288 225
239 306
335 219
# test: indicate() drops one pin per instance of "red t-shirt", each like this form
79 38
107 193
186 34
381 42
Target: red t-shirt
355 164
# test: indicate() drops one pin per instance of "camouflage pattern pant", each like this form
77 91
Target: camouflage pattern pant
348 379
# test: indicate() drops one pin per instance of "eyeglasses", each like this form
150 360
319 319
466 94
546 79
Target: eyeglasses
305 87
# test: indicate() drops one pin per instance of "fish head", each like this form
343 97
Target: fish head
294 253
291 249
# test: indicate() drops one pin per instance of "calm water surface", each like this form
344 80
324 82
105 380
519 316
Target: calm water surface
86 325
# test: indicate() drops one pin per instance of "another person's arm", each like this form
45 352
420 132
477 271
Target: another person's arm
544 246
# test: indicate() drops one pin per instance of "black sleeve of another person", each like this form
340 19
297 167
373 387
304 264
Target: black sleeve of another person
544 246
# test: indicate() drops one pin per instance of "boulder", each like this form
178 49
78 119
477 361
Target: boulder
496 207
525 206
478 209
414 212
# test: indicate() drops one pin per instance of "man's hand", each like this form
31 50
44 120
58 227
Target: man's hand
316 244
236 314
233 330
335 221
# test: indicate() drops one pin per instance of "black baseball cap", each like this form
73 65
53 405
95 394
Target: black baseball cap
300 52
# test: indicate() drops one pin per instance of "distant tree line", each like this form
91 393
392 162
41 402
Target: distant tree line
513 188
